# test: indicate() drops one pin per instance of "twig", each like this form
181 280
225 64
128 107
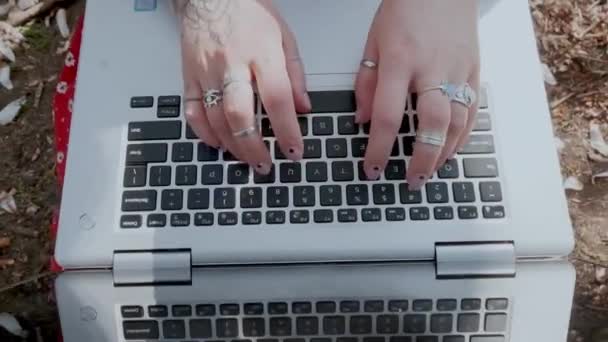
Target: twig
592 307
7 262
24 232
27 280
590 262
18 18
588 29
557 103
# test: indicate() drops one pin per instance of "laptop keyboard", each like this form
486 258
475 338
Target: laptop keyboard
172 179
418 320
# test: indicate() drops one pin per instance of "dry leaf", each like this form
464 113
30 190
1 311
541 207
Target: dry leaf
63 48
599 175
62 23
548 75
36 154
7 201
559 144
6 262
596 157
5 77
573 183
4 9
597 140
601 274
10 324
32 209
6 51
11 33
47 21
5 242
38 94
8 113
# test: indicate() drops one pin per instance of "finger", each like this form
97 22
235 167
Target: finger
434 116
388 110
276 94
295 70
238 109
365 85
196 116
458 122
464 137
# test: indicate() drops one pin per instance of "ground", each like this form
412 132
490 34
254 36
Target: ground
573 40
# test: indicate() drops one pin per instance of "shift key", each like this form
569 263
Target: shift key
146 153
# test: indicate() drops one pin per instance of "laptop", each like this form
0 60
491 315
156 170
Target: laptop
164 238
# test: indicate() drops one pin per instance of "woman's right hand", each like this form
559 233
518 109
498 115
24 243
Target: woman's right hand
227 45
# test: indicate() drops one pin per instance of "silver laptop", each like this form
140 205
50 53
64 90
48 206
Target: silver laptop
164 238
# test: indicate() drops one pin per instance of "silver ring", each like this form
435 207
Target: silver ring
459 93
368 63
431 138
249 131
212 98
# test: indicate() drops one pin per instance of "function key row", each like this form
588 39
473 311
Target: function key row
168 106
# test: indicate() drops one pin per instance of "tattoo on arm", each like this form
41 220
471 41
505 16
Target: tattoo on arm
210 17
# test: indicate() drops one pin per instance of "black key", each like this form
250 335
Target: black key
453 338
322 125
482 122
443 213
229 156
203 219
238 174
224 198
229 309
496 323
326 307
320 339
200 328
416 122
478 144
205 310
414 324
301 307
408 145
373 306
299 216
181 310
400 339
303 122
185 175
254 327
487 339
409 196
280 326
468 323
312 149
158 311
267 128
464 192
347 215
212 174
316 172
395 214
323 216
251 217
361 170
343 171
447 304
395 150
172 100
420 214
413 103
157 220
467 212
493 212
333 325
349 306
172 199
278 308
371 214
190 133
359 146
135 176
180 220
470 304
437 192
360 325
138 154
332 101
346 339
265 179
387 324
357 194
373 339
278 153
160 175
330 195
405 125
449 170
398 305
384 193
294 340
254 309
395 170
130 221
227 219
304 196
144 200
275 217
226 327
207 153
182 152
251 198
142 102
132 311
367 128
422 305
198 199
306 326
174 329
493 304
490 191
167 112
335 148
427 339
277 196
441 324
291 172
140 330
347 125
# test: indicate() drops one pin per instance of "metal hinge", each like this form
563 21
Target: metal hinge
162 267
475 260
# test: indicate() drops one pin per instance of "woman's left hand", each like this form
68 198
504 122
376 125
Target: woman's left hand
418 45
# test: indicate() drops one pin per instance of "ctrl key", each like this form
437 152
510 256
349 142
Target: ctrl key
130 221
140 330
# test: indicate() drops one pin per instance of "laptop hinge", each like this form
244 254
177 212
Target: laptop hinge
475 260
158 267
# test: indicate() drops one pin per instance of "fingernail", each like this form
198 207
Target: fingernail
294 153
373 173
417 181
263 168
